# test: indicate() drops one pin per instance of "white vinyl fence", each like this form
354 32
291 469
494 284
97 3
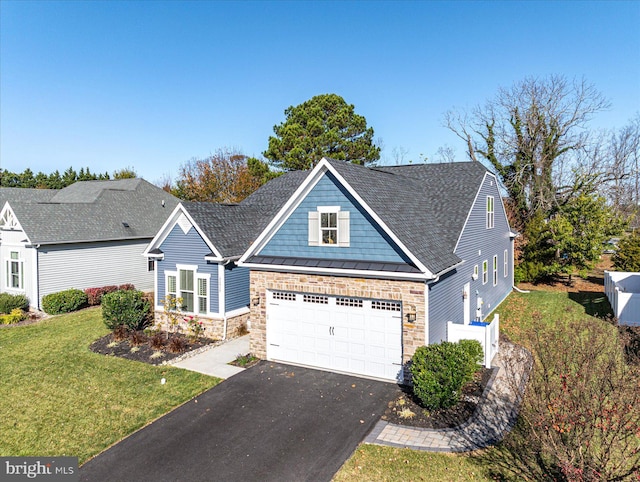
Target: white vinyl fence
623 292
486 333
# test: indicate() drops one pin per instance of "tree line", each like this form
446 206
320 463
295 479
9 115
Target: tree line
567 188
55 180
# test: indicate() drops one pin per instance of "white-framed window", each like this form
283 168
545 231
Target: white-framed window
506 263
190 286
485 272
329 226
490 212
185 289
203 299
151 264
475 272
15 271
171 285
495 270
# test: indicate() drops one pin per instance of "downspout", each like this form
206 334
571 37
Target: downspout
224 297
37 280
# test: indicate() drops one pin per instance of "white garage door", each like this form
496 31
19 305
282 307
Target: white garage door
351 335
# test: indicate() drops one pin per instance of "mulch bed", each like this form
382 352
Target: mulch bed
405 401
107 345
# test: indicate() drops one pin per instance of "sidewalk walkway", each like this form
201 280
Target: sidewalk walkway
213 361
493 419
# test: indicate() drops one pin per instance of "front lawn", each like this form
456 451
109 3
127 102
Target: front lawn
59 398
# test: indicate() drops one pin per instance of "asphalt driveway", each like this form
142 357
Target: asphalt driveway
271 422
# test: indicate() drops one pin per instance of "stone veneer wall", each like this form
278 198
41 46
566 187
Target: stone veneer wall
213 327
409 292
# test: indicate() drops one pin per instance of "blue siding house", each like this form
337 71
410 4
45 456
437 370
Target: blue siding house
196 253
360 266
343 267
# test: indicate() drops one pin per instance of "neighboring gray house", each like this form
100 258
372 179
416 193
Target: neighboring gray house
89 234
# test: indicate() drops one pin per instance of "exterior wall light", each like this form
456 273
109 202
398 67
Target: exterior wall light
255 301
411 314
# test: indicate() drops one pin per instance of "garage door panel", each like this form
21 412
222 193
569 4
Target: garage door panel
342 334
358 349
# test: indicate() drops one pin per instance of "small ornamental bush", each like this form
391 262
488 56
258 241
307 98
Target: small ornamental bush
177 345
137 338
475 356
64 301
120 333
157 341
128 308
440 371
15 316
94 295
9 302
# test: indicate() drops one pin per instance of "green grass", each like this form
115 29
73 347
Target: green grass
377 463
59 398
523 312
519 313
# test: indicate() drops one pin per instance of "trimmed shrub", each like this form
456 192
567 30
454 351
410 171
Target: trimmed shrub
9 302
475 355
440 371
126 307
64 301
15 316
94 295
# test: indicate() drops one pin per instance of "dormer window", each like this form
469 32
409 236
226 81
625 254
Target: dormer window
329 226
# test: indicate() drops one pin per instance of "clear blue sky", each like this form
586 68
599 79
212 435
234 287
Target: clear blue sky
152 84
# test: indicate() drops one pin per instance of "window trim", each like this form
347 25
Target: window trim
197 276
506 263
341 229
328 229
485 271
495 270
490 207
19 261
476 272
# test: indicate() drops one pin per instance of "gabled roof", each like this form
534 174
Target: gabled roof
422 207
230 228
90 211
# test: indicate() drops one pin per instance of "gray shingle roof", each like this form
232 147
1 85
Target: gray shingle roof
91 211
424 205
233 227
443 196
25 195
